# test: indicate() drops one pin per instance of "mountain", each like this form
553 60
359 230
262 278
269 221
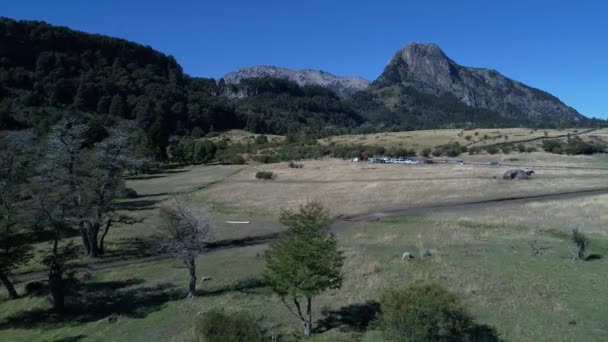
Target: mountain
343 86
422 87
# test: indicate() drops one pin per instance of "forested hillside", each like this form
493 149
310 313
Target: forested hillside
48 73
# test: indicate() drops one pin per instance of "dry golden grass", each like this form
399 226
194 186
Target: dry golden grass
590 214
241 136
351 188
431 138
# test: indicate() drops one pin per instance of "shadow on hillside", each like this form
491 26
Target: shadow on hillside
160 194
243 242
95 301
137 205
132 248
356 317
75 338
248 285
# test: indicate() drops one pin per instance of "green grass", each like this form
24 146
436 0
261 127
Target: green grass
543 298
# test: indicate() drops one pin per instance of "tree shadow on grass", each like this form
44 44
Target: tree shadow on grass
356 317
243 242
594 256
74 338
247 285
137 205
131 248
93 301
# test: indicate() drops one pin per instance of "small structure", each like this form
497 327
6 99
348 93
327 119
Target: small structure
518 174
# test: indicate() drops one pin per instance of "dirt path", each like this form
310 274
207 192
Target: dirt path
533 139
346 222
339 225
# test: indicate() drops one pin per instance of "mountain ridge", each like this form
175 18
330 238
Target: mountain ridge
344 86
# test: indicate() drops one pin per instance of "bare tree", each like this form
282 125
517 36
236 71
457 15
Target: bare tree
184 234
95 178
111 159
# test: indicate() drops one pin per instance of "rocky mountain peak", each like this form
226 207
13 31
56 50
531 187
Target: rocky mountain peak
343 86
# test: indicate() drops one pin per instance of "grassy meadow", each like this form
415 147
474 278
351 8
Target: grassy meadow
481 253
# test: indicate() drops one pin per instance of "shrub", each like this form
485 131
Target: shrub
261 140
427 313
265 175
474 150
521 148
295 165
426 152
266 158
451 150
531 149
219 326
506 149
492 149
582 243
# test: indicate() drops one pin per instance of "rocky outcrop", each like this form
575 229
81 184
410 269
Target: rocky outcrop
426 68
343 86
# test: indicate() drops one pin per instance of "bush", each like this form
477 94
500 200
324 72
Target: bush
265 175
219 326
582 244
521 148
295 165
474 150
506 149
261 140
426 152
451 150
427 313
492 149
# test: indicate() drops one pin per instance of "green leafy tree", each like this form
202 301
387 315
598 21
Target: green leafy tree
203 151
306 262
118 107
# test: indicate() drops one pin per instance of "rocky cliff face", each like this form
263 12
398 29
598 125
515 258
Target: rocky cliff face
426 68
343 86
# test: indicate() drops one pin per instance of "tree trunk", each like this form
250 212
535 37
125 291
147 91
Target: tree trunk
9 285
56 286
85 238
92 234
103 237
308 321
192 270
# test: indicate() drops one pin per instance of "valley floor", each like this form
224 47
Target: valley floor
480 245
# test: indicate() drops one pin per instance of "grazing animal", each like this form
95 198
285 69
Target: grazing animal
407 256
518 174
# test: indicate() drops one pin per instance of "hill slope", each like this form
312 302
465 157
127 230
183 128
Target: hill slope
422 87
343 86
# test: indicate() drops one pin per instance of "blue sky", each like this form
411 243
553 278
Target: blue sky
558 46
